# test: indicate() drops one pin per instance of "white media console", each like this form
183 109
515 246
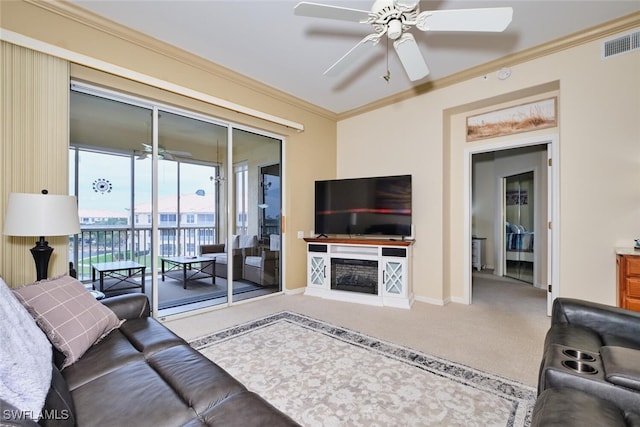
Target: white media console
366 271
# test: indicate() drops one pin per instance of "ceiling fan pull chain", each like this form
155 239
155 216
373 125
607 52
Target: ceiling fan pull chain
387 75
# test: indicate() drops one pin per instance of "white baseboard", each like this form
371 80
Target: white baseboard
432 301
295 291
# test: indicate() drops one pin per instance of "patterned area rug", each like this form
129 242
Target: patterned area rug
324 375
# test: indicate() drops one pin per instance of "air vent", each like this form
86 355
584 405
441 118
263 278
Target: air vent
620 45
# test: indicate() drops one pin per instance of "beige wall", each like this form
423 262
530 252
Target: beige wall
599 164
309 155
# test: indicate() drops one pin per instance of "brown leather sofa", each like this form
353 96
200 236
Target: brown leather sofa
142 374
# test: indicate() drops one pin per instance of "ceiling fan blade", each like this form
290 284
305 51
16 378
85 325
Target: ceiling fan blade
178 153
317 10
494 19
410 56
356 52
162 151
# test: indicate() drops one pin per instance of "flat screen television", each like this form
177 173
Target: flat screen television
364 206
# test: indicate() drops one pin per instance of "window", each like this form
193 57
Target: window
205 219
165 218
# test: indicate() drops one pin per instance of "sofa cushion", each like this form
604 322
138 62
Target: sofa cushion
193 377
621 366
248 241
70 316
221 259
235 242
25 355
246 406
149 336
133 341
255 261
132 395
618 341
111 353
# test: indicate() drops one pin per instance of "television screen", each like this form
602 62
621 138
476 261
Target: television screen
364 206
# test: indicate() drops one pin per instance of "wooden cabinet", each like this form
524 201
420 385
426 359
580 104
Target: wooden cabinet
628 267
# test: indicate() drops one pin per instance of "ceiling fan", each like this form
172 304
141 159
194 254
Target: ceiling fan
394 18
163 153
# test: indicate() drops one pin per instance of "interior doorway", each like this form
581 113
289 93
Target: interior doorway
500 179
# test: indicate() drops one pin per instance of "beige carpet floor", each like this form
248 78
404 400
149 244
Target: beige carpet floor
501 333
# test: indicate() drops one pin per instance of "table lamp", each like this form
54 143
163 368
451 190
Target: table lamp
41 215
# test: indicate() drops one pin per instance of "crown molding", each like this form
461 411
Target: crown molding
623 24
87 18
99 23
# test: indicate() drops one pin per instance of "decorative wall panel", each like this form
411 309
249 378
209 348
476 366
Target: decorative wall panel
34 134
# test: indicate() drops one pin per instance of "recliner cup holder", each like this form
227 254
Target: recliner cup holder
579 355
580 367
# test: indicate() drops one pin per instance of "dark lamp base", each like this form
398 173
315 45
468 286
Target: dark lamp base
41 254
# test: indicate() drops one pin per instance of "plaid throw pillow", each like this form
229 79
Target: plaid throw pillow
68 314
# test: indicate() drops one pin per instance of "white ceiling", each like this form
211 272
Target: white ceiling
264 40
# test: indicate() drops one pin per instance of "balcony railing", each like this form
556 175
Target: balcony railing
95 244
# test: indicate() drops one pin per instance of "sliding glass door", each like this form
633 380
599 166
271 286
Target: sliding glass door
189 217
106 137
260 157
153 187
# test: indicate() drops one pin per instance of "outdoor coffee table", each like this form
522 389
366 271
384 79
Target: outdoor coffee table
122 271
187 264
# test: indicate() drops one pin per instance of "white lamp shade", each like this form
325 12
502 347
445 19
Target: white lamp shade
41 215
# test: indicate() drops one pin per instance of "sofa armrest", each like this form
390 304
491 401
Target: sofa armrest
211 249
601 318
129 306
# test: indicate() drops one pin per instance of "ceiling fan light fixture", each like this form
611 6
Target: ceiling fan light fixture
394 29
